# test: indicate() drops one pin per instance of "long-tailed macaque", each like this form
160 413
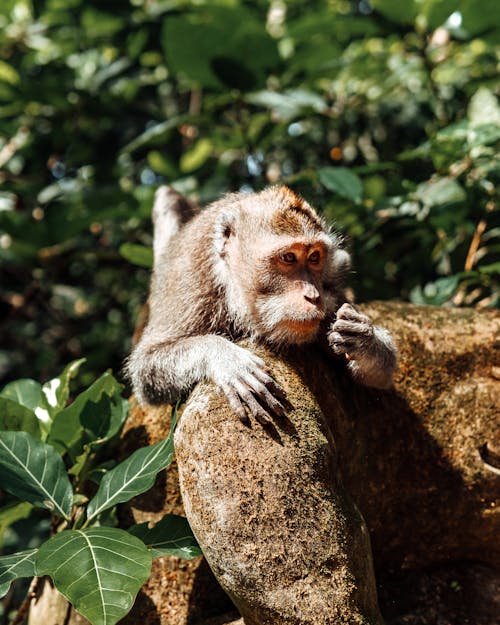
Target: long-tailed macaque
259 265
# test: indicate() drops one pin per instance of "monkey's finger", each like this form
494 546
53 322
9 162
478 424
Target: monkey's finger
235 403
265 397
338 338
257 360
352 328
251 403
348 312
337 343
271 384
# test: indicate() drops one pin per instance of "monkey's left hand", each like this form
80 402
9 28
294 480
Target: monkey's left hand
352 332
369 348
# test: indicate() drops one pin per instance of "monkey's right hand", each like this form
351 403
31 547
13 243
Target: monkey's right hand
247 386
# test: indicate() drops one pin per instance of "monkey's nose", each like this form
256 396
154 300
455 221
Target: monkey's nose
311 293
312 299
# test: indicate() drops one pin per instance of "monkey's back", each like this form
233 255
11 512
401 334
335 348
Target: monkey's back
184 293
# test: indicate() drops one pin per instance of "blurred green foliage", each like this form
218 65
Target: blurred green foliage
383 114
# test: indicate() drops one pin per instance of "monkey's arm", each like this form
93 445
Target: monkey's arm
162 371
369 348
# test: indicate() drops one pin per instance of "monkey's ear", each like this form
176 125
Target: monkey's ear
341 261
224 230
339 266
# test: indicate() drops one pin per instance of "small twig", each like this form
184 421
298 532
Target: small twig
24 607
474 245
195 101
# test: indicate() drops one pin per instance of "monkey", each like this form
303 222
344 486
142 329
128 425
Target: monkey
264 266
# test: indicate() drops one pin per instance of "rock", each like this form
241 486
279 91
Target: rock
278 529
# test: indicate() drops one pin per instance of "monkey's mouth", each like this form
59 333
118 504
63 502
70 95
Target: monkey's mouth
303 325
300 330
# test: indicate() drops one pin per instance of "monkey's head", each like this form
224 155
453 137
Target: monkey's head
276 262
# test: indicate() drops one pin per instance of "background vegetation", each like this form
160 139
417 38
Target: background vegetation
383 114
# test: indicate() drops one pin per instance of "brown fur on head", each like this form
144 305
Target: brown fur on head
275 252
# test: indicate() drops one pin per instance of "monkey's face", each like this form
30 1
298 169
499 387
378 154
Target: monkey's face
289 301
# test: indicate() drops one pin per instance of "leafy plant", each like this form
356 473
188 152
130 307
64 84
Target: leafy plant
53 456
383 114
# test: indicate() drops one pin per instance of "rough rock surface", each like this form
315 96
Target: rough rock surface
421 462
278 529
268 505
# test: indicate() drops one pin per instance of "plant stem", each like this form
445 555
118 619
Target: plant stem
24 607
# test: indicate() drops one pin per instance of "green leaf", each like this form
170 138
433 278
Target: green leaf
26 392
100 409
492 269
16 417
171 536
480 17
161 164
99 570
156 134
210 46
195 157
342 181
14 566
44 401
290 104
32 470
435 293
137 254
133 476
9 74
103 421
436 12
56 391
11 513
401 12
483 107
439 191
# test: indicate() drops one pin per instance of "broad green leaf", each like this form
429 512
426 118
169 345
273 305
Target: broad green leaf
133 476
483 108
32 470
210 46
171 536
342 181
16 417
479 17
11 513
401 12
99 570
100 409
435 293
105 417
26 392
14 566
56 391
44 401
436 12
137 254
440 191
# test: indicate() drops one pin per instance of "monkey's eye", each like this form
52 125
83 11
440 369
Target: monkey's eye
314 258
288 258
